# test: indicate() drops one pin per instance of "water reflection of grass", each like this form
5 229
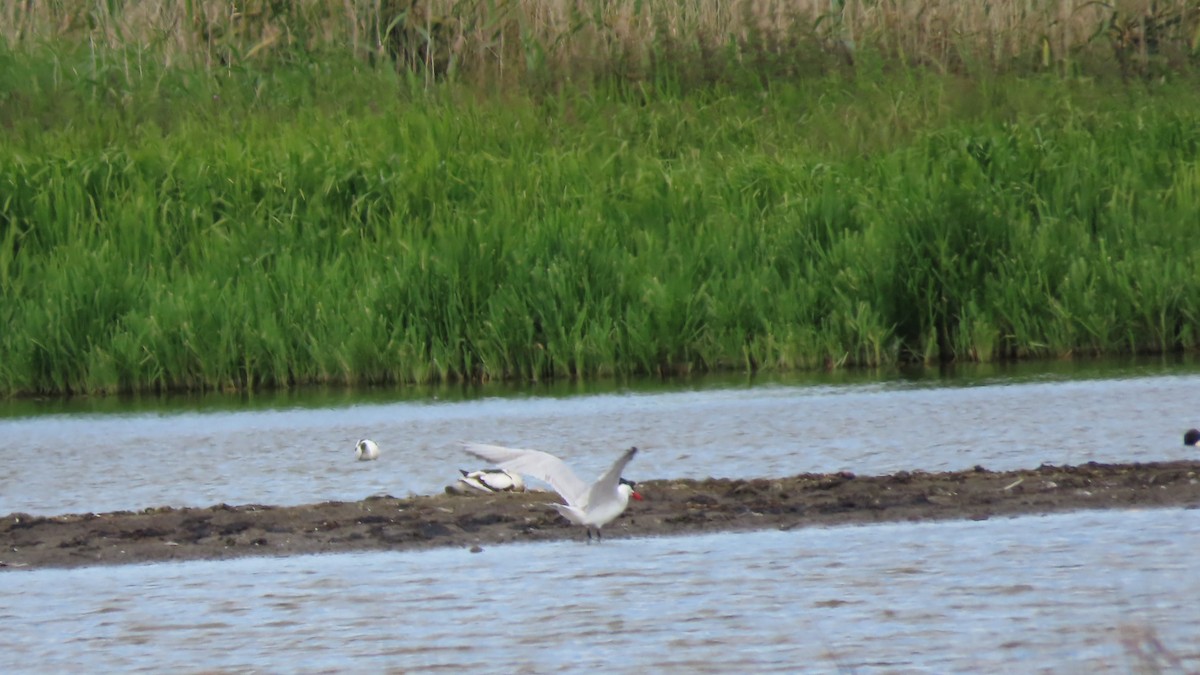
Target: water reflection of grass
1147 652
237 221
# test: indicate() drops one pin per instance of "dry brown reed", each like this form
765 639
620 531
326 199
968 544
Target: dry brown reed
496 38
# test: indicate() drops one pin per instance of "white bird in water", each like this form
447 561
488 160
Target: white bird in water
493 480
366 450
592 506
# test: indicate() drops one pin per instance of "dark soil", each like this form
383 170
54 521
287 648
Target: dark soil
670 507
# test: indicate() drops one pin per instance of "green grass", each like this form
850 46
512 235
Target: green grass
328 222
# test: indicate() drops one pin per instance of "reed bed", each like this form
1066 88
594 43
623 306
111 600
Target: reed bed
200 208
248 242
561 42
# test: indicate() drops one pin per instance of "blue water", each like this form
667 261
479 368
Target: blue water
1092 592
77 462
1069 593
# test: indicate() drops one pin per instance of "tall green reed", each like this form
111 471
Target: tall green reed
379 232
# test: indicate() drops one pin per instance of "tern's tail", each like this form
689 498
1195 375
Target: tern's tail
571 513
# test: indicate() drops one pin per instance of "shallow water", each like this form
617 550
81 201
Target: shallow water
1073 593
102 455
1059 593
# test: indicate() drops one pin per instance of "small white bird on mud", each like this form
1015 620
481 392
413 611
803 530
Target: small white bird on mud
366 450
592 506
492 480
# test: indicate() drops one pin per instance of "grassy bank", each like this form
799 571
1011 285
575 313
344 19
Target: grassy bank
227 224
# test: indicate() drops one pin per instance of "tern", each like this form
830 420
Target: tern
492 480
366 450
592 506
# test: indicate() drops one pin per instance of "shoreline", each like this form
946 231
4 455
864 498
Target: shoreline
671 507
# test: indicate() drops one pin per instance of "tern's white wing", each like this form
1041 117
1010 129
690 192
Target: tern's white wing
606 485
541 465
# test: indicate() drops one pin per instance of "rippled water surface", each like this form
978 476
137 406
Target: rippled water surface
1073 593
79 460
1091 592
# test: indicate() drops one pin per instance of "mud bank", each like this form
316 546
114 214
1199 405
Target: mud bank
670 507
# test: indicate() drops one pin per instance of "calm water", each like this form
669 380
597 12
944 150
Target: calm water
1060 594
108 455
1073 593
